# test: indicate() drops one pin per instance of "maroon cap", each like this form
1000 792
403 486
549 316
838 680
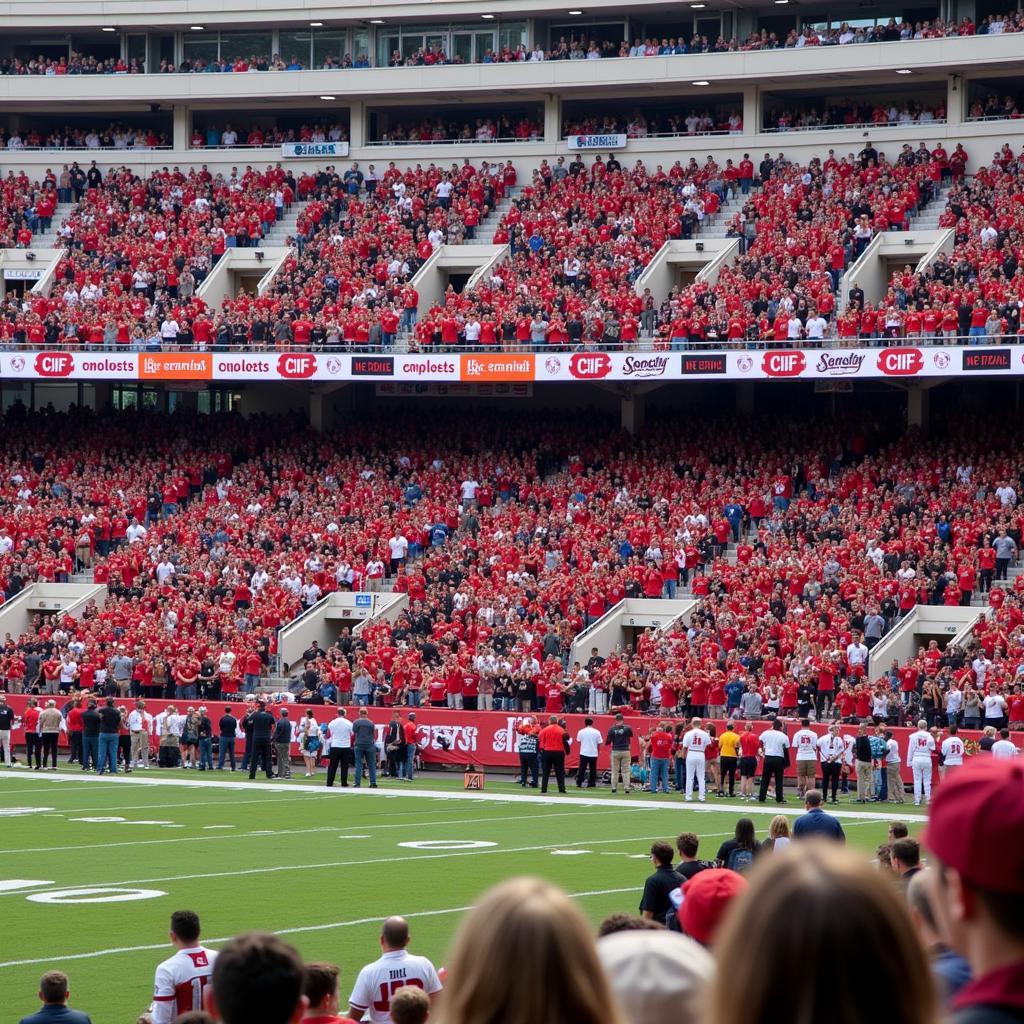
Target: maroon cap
706 897
977 821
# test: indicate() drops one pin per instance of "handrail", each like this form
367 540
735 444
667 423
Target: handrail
872 125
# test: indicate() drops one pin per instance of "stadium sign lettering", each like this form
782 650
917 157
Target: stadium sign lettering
839 366
313 150
650 366
784 364
597 141
900 362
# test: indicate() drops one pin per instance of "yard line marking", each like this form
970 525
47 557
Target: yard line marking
302 929
535 799
447 854
285 832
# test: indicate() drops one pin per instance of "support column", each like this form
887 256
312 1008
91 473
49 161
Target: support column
552 119
322 412
181 132
917 408
633 412
751 110
956 93
102 393
745 397
357 124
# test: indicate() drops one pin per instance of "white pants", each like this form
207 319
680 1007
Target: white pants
695 772
922 768
5 746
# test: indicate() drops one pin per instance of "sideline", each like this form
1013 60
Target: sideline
743 808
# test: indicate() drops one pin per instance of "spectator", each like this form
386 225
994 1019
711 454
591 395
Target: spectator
257 977
530 923
810 902
54 994
975 820
949 970
816 822
410 1005
737 854
320 987
655 903
706 901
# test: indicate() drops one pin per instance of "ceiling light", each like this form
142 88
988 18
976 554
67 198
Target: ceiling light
780 2
487 17
575 12
698 7
327 97
701 82
196 28
904 71
376 21
109 28
316 24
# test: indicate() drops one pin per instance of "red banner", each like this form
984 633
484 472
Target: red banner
487 739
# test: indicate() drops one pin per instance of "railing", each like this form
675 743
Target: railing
870 125
453 142
134 148
404 344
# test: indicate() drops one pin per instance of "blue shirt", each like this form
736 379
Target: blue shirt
733 692
53 1013
817 823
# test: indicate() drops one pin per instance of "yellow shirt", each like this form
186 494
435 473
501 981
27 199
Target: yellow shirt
729 744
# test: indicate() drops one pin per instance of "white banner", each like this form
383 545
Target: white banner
427 389
24 273
313 150
597 141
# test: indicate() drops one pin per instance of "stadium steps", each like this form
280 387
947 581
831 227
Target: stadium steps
85 576
279 233
52 239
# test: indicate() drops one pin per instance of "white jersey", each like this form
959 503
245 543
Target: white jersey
378 982
1002 749
805 743
952 751
180 981
920 747
696 742
831 748
339 732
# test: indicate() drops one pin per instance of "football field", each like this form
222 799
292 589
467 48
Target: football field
92 868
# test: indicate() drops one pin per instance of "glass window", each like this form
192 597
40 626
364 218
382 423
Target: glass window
710 27
328 44
137 49
386 45
410 44
125 397
462 47
296 44
360 43
150 399
252 44
201 46
511 34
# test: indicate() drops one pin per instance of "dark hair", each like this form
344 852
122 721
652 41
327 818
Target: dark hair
953 728
396 932
1004 734
745 834
898 829
662 851
805 722
194 1017
776 723
320 981
907 851
588 721
627 923
687 843
53 987
257 977
185 924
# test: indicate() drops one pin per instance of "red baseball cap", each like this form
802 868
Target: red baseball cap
706 897
976 823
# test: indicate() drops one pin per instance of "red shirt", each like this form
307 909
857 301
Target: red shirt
661 744
550 739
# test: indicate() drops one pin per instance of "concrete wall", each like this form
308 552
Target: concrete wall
925 623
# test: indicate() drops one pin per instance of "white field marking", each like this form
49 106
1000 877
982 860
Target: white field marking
383 860
19 812
322 828
12 884
284 931
94 895
365 792
448 844
569 853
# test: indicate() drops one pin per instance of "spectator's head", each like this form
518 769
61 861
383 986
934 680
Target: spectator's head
184 928
687 843
558 977
53 988
706 898
257 977
659 977
394 934
661 854
745 834
194 1017
898 830
320 987
921 913
905 855
410 1005
812 799
778 828
627 923
825 906
973 833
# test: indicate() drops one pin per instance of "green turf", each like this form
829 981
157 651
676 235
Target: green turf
288 859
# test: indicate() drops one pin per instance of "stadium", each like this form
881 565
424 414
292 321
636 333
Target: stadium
602 421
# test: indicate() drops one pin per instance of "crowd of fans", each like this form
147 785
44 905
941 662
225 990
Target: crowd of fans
113 136
565 49
482 129
228 137
848 115
639 125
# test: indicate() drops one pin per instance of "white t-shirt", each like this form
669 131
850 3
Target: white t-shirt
589 740
952 751
339 731
695 742
377 982
775 742
398 546
995 706
180 981
831 748
1004 749
805 743
920 747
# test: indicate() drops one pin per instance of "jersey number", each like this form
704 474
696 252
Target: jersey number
197 985
388 989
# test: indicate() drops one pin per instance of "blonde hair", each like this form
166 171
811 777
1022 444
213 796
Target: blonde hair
779 827
822 907
557 977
